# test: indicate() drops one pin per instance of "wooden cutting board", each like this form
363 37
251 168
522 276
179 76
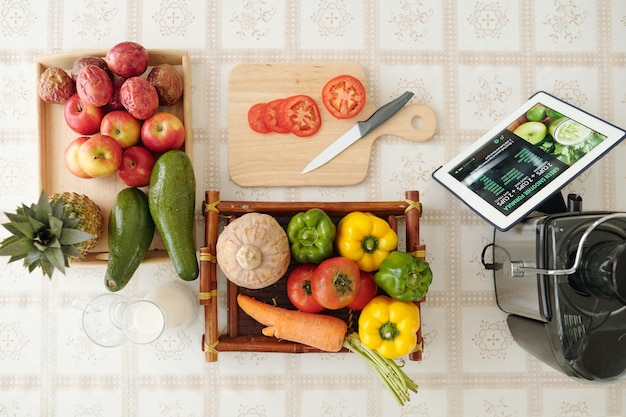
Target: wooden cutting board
259 160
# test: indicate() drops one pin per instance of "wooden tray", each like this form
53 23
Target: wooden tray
244 333
55 135
259 160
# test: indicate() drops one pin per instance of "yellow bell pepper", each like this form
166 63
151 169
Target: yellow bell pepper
389 326
366 239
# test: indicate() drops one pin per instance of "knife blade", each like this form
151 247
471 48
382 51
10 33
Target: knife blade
358 131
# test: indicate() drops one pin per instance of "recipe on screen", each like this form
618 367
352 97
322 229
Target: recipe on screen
525 157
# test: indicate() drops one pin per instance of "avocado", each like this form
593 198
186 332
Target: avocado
131 230
171 199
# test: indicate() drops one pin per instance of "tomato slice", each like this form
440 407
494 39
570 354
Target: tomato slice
299 288
255 118
300 115
343 96
271 116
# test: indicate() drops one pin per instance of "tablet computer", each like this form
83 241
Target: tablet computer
527 158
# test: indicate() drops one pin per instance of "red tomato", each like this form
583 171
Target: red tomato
271 116
336 282
343 96
255 118
367 291
299 288
300 115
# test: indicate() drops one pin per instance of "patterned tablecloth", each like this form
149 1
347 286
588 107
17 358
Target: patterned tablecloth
472 61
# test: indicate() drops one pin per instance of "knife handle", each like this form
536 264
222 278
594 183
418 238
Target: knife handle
384 113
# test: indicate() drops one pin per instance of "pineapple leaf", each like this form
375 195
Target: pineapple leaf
35 225
22 225
46 267
9 239
55 257
57 208
11 228
56 226
17 247
73 236
72 251
43 205
32 260
17 216
25 229
70 223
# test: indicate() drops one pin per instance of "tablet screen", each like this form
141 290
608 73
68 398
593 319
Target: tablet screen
527 158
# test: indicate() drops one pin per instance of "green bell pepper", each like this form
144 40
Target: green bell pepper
311 236
404 277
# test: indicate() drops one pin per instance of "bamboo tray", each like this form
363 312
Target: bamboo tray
244 333
55 135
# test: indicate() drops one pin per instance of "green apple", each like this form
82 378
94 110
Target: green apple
536 114
553 114
533 132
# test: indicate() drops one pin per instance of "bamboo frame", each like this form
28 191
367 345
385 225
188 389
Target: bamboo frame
238 337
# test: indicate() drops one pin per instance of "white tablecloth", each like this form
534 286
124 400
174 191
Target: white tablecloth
473 62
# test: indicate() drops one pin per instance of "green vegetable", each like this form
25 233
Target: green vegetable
404 277
172 198
571 154
396 380
311 236
131 229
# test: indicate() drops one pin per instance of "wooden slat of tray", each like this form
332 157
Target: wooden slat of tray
244 333
55 135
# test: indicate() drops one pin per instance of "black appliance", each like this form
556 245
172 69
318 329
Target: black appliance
562 279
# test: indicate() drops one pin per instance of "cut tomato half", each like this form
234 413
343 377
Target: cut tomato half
300 115
255 118
343 96
271 116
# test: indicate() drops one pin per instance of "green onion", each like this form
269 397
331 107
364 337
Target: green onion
396 380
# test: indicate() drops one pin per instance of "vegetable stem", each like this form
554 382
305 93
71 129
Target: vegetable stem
396 380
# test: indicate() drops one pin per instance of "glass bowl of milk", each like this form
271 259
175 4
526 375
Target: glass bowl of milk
178 303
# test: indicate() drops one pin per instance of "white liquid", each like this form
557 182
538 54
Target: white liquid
179 304
147 318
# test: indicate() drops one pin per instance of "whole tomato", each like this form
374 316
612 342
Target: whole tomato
367 291
336 282
299 288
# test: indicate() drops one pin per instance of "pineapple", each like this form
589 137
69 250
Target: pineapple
52 232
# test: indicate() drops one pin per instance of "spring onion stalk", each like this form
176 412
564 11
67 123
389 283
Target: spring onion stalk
396 380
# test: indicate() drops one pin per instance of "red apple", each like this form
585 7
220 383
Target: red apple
136 167
71 157
163 132
139 97
121 126
100 155
127 59
94 86
82 118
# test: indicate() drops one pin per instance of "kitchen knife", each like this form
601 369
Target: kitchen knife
358 131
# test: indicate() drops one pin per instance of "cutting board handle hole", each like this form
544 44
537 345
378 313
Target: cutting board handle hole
417 122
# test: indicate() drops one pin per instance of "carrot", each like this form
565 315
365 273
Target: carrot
317 330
